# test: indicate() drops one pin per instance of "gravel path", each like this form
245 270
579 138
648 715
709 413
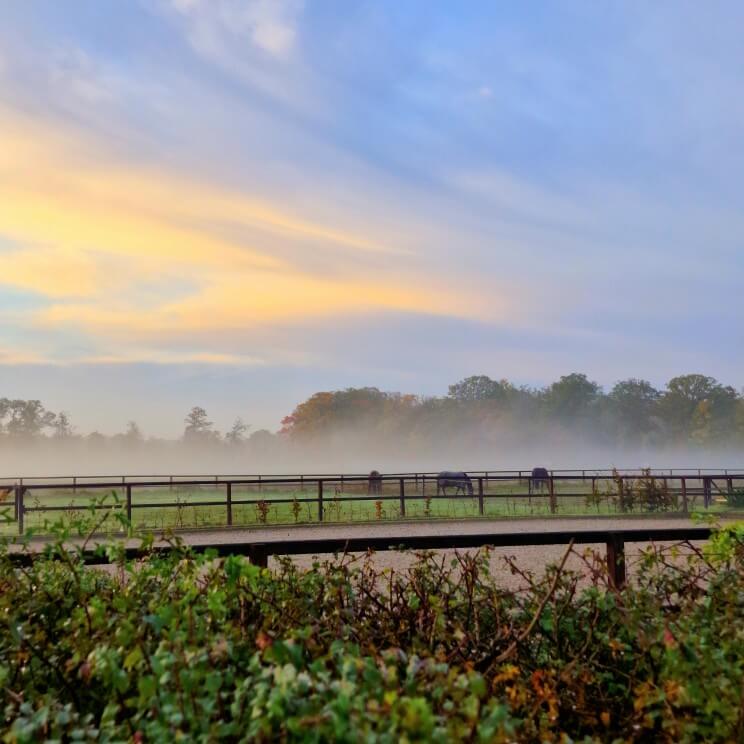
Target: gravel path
431 527
530 558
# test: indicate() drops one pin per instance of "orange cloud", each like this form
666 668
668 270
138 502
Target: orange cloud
90 232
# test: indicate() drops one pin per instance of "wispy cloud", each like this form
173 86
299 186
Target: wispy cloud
89 232
271 25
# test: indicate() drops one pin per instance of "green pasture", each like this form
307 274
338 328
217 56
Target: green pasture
182 507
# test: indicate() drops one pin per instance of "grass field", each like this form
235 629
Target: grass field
189 507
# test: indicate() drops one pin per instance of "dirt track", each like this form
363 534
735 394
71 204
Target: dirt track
531 558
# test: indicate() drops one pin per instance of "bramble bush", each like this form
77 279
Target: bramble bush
193 647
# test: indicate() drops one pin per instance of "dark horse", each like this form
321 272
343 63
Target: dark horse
454 479
538 480
374 483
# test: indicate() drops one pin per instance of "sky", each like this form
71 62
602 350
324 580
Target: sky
237 203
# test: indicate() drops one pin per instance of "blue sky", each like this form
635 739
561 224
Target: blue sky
237 202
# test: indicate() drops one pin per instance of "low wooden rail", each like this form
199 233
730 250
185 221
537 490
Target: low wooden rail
259 552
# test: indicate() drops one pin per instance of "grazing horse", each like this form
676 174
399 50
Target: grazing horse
374 483
454 479
538 480
5 493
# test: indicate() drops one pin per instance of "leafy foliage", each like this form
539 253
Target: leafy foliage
478 412
208 649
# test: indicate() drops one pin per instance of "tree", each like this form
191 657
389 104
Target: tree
62 427
480 387
262 442
326 411
95 440
571 398
633 406
198 427
237 433
133 434
25 419
698 408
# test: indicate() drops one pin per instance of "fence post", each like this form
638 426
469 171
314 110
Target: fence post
402 484
74 484
259 556
423 485
320 500
707 492
551 487
685 507
616 560
19 508
480 496
228 488
260 486
129 503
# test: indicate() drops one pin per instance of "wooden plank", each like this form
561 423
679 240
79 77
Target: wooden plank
315 546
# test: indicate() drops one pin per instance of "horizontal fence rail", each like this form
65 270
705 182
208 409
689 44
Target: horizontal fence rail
227 501
167 478
259 552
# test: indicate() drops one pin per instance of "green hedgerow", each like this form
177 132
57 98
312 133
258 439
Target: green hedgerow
205 649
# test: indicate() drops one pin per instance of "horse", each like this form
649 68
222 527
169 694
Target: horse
539 480
374 483
458 480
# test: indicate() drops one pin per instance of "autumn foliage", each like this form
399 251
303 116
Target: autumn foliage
218 649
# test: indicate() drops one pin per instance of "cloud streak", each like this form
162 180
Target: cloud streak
87 232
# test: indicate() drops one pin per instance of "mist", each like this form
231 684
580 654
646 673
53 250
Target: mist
481 424
348 451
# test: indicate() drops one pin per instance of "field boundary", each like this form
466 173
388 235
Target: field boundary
323 497
259 552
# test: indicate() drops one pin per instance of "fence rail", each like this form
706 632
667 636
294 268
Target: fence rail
167 478
259 552
319 498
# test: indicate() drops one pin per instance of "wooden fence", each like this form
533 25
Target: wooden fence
259 552
682 489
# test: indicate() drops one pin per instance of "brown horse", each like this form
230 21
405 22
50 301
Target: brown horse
374 483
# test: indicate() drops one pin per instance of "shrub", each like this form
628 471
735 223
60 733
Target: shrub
735 498
191 646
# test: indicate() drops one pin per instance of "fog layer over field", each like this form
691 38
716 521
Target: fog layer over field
482 424
350 452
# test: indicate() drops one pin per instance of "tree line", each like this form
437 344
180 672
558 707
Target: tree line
691 410
25 421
